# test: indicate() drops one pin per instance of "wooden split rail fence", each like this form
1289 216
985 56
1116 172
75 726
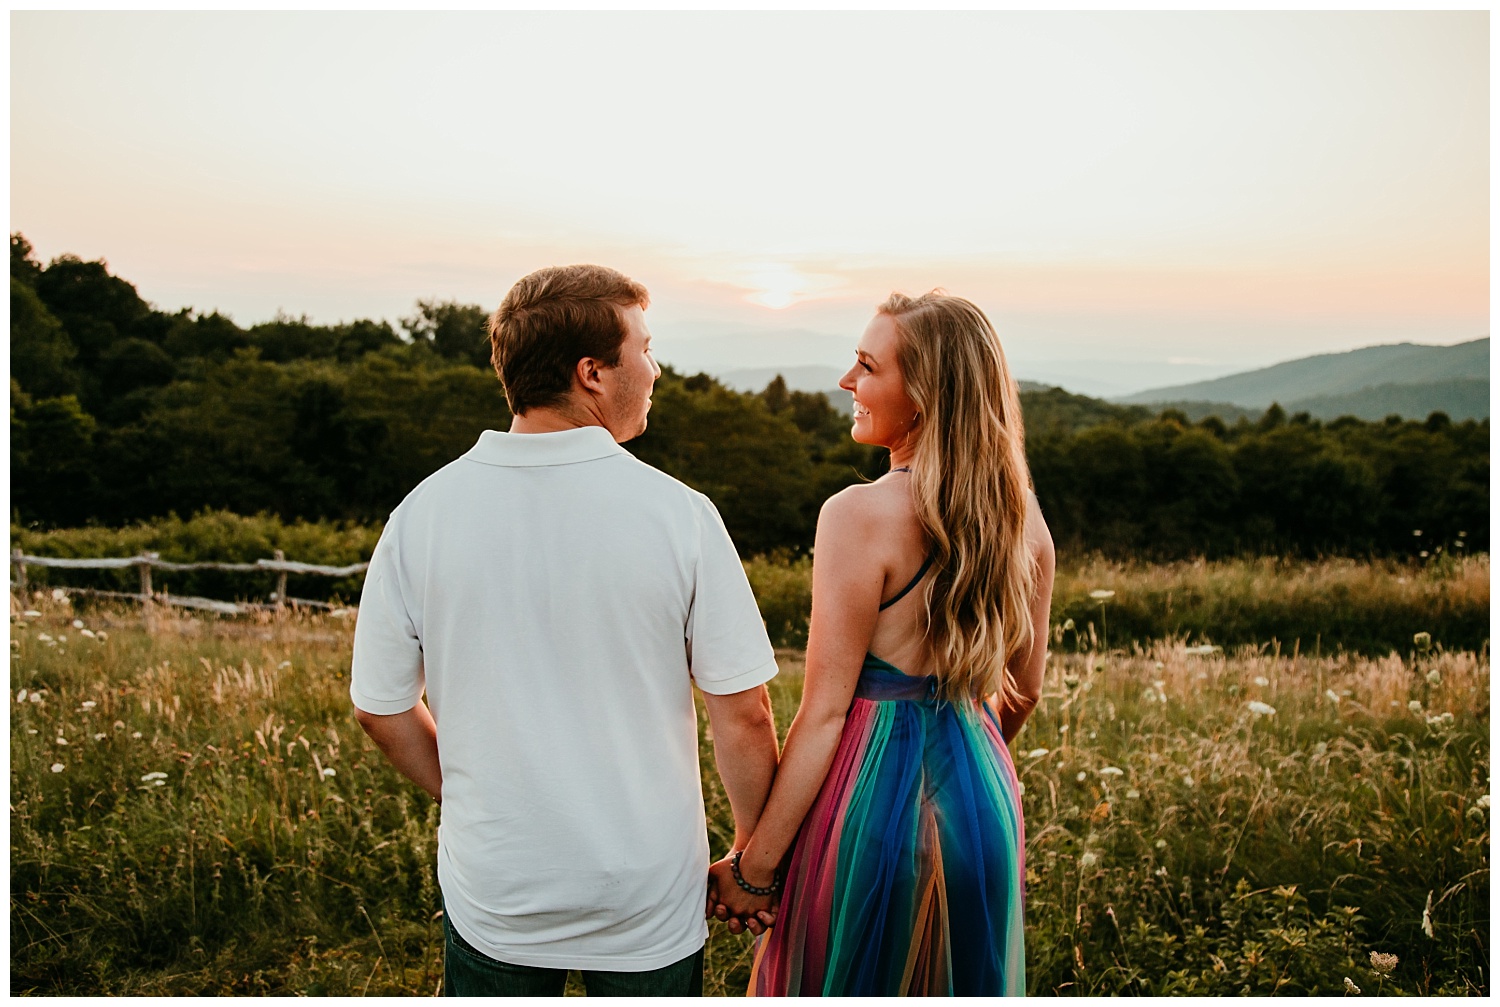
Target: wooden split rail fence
149 561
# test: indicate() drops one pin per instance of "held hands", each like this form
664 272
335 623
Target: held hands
735 907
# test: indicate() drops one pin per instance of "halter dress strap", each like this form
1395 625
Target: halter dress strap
926 565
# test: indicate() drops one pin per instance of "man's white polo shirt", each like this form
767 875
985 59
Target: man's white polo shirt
558 599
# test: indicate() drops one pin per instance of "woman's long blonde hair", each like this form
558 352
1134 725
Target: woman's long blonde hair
969 481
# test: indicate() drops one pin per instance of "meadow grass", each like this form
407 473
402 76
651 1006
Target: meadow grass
194 811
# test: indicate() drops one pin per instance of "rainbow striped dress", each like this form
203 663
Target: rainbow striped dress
906 877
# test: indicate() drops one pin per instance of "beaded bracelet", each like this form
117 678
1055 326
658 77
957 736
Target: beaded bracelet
739 879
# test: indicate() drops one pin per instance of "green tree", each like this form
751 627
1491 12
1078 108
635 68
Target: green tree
456 331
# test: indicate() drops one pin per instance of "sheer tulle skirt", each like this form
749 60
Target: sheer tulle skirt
906 878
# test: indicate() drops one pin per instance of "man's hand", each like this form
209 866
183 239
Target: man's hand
735 907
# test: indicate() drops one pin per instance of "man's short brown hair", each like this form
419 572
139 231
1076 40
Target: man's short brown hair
550 320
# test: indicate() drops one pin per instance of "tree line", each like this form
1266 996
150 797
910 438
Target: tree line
121 412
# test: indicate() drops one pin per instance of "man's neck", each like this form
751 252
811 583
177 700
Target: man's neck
548 419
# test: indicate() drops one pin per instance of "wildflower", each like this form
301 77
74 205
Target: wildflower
1415 706
86 632
1383 963
1067 625
1233 690
153 776
1349 987
44 637
1441 720
1321 748
1101 595
330 771
1423 554
1434 677
88 704
32 613
62 638
283 664
1159 666
1427 916
1089 859
58 594
1063 729
1417 532
35 697
100 737
1149 695
1132 794
1261 709
1333 697
135 734
1081 777
58 767
1036 753
21 696
1188 780
1161 844
1111 771
101 635
1161 872
61 740
119 725
77 623
1202 650
1483 802
1262 681
31 730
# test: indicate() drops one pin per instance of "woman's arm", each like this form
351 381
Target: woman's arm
848 576
1029 667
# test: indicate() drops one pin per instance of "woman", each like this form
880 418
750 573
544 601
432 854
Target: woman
896 812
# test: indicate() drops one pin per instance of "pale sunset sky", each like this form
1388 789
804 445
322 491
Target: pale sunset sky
1135 199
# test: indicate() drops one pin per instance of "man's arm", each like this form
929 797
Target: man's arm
409 740
745 753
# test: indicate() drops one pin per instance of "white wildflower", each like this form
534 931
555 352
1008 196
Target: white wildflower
1415 706
1434 677
1020 788
1427 916
1261 709
153 776
31 730
44 637
88 704
100 737
283 664
1063 729
1483 802
1111 771
1333 697
1188 780
101 635
119 725
21 696
1159 666
330 771
1081 777
61 740
1067 625
58 594
77 623
1262 681
32 613
35 697
135 734
1161 844
62 638
1089 859
58 767
1350 987
1101 595
86 632
1383 963
1132 794
1036 753
1202 650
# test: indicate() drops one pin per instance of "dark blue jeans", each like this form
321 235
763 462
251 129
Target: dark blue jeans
468 972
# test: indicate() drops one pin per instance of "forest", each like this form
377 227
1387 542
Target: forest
121 412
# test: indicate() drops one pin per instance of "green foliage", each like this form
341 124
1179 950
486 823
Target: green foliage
339 422
783 592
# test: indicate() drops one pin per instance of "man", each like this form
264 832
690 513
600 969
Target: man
558 600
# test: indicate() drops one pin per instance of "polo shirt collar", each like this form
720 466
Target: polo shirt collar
560 447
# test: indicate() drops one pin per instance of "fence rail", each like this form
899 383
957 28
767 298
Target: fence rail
148 561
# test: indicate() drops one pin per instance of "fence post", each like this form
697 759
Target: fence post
280 556
19 565
146 607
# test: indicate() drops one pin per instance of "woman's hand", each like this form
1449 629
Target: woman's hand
735 907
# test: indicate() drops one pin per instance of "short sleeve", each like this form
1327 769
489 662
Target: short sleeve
387 676
727 644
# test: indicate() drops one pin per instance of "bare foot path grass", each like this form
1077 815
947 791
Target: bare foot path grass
194 811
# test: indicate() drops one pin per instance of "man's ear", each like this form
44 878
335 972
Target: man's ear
588 373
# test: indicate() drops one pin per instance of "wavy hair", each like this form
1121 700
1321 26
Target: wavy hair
969 482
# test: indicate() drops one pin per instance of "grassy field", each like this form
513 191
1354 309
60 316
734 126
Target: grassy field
194 811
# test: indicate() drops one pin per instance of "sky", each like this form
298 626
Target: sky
1136 200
